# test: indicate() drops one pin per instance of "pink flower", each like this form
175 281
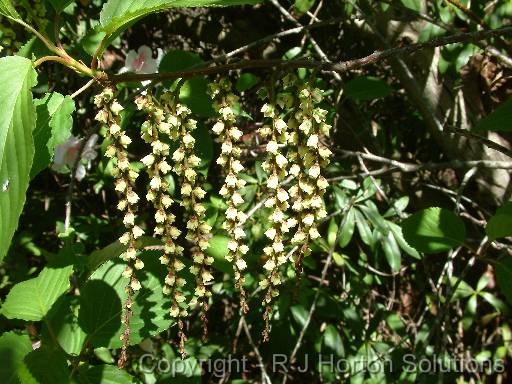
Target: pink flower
66 155
142 61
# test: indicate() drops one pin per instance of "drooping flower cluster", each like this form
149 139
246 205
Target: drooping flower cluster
308 157
276 166
229 135
125 177
154 130
198 230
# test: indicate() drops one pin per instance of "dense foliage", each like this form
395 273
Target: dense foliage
255 191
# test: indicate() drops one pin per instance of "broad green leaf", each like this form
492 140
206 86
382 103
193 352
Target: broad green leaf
48 365
61 325
7 9
54 123
32 299
193 93
366 88
104 293
399 237
504 277
498 120
13 349
434 230
218 249
104 374
17 122
500 225
117 15
392 251
246 81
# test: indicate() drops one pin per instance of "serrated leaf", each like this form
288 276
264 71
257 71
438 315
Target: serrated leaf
7 9
13 349
17 122
54 123
434 230
102 297
399 237
104 374
31 300
500 225
117 15
48 365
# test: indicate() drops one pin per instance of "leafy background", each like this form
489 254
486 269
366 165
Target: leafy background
411 263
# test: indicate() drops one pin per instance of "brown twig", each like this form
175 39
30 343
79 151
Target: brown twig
340 67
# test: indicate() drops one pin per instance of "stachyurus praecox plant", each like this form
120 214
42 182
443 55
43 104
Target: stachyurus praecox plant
293 134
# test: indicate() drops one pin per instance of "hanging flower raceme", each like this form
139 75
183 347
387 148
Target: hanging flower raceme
198 231
125 177
308 157
155 129
229 135
276 166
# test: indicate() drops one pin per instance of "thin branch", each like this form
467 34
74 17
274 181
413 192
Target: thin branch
489 143
264 374
410 167
340 67
83 88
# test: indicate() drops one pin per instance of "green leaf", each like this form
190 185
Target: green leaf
246 81
399 237
348 229
218 249
304 5
7 9
61 325
59 5
363 228
48 365
117 15
333 341
102 297
367 88
194 92
498 120
504 277
13 349
434 230
17 121
32 299
54 123
392 251
104 374
500 225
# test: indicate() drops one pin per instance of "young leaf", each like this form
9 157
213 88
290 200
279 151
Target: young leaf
17 121
54 123
32 299
434 230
